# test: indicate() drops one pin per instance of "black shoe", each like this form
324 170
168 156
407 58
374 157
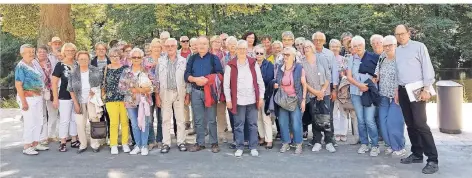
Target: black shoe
277 136
431 168
187 126
81 150
62 147
75 144
182 147
165 149
96 150
191 133
411 159
232 146
305 135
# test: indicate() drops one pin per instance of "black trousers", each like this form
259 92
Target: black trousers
421 138
316 129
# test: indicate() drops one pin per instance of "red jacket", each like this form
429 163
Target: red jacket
213 90
233 63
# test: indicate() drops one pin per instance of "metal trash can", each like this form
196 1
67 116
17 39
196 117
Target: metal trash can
450 99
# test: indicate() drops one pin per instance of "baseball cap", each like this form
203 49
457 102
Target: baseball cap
55 39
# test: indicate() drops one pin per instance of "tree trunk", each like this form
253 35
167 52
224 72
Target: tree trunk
55 20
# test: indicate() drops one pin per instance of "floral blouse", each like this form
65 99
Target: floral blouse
30 76
130 79
112 79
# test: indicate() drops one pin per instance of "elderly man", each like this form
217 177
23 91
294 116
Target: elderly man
376 43
288 39
223 38
199 66
193 49
163 37
171 93
413 65
345 39
185 44
325 55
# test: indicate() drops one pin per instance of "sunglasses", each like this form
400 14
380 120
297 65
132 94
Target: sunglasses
258 53
136 57
184 41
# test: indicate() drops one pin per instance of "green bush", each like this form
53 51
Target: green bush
9 103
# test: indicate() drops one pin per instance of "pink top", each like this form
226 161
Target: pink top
287 82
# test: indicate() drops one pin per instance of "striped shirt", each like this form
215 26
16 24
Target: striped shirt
171 70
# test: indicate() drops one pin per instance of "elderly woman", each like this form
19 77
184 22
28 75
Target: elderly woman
365 113
84 82
231 43
46 64
276 49
251 39
340 122
290 77
390 114
243 89
29 84
114 102
264 121
299 45
136 84
62 98
101 60
345 39
317 83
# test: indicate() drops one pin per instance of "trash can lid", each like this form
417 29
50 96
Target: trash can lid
448 83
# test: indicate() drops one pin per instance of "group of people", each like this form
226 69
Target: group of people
296 82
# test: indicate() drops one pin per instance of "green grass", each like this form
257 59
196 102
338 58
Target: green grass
9 103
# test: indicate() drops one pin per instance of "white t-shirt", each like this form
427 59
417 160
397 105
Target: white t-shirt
84 78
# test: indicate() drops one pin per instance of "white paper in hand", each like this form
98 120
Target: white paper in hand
412 89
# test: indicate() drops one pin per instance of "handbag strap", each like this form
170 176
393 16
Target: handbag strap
105 76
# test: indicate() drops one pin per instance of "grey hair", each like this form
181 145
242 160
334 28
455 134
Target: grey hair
231 39
115 50
165 34
288 34
376 36
334 41
173 40
318 32
260 46
24 46
101 43
276 42
390 39
182 37
242 42
310 44
141 52
70 45
291 50
346 34
357 39
299 40
193 40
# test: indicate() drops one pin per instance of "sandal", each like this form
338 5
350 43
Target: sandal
165 149
182 147
269 147
75 144
62 147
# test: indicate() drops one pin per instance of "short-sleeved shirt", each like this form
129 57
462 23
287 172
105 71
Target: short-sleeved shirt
113 93
30 76
354 63
63 72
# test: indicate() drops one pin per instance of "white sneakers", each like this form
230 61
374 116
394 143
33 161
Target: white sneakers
135 151
388 151
114 150
41 147
316 148
30 151
399 153
254 153
330 148
126 148
374 151
364 148
144 151
238 153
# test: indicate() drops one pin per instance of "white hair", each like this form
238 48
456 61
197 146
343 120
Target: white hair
141 52
291 50
288 34
231 39
318 32
193 40
173 40
346 34
376 37
299 40
260 46
334 42
165 34
24 46
310 44
242 43
68 45
390 39
182 37
357 40
276 42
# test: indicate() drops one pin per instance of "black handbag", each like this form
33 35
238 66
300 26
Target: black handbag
98 130
320 113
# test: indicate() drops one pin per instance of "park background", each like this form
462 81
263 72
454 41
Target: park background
445 29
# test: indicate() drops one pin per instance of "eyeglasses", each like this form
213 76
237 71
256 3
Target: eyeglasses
136 57
224 39
170 46
287 39
286 55
299 44
400 34
115 56
184 41
72 50
388 46
258 53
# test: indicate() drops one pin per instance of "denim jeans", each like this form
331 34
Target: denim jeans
392 123
294 117
153 137
246 115
140 137
203 115
365 122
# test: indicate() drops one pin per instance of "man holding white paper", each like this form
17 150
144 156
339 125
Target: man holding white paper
413 65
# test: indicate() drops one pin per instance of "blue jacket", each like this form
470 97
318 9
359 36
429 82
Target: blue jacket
371 96
369 63
267 71
297 80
